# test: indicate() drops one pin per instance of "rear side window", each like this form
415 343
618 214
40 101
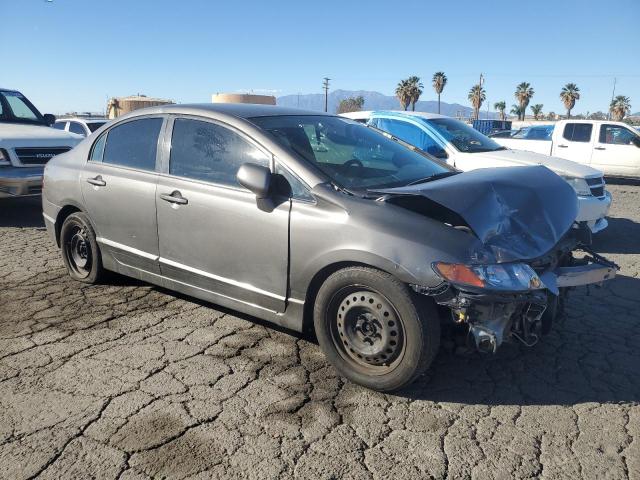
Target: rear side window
210 152
577 132
133 144
59 125
75 127
98 149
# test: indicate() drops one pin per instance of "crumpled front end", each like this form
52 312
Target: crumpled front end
524 308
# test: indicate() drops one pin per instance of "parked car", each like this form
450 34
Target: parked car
612 147
467 149
26 144
365 240
84 126
503 134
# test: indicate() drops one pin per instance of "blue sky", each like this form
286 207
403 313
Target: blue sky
71 55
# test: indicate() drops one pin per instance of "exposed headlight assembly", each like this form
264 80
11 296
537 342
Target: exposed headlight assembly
508 277
579 185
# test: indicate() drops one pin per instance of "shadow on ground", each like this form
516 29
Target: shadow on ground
622 236
21 212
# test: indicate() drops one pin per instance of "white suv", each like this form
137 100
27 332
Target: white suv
27 143
84 126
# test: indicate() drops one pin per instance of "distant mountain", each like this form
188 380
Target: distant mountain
374 101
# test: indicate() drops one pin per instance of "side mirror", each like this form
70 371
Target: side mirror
636 141
49 119
255 178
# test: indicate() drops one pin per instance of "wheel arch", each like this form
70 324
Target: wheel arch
62 216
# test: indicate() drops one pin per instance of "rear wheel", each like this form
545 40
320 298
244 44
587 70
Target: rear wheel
80 251
374 330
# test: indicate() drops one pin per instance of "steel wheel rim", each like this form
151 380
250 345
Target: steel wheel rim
367 330
78 249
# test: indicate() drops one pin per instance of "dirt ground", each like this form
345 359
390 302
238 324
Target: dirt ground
130 381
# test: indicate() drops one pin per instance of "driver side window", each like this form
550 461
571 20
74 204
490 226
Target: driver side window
616 135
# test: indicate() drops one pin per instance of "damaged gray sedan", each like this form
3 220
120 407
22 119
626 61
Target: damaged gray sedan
316 222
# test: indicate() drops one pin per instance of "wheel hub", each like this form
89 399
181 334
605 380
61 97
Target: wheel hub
369 329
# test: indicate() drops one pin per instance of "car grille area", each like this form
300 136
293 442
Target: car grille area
38 155
596 185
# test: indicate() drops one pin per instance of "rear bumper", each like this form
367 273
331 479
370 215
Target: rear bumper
20 181
593 211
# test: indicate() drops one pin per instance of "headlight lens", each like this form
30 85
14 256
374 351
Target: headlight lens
505 277
579 185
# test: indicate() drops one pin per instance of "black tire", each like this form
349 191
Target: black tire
374 329
80 251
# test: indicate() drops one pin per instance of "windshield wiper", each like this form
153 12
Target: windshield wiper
431 178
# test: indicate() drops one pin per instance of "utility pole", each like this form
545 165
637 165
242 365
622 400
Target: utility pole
612 95
325 85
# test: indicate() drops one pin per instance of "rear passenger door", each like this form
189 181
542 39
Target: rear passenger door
212 232
576 142
119 187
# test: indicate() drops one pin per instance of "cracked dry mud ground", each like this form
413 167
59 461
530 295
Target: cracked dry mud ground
130 381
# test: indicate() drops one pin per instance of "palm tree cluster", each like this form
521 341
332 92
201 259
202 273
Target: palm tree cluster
619 107
523 94
408 92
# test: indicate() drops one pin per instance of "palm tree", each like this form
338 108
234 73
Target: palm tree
515 110
569 94
415 90
523 94
536 110
439 81
477 95
501 107
620 106
403 93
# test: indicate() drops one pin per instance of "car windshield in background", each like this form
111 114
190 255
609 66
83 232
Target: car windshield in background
535 133
15 108
462 136
93 126
354 156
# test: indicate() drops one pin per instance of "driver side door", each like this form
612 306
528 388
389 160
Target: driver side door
615 152
213 234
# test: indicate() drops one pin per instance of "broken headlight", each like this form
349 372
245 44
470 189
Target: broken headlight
505 277
579 185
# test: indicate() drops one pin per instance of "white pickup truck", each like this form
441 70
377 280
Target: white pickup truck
613 147
466 149
27 143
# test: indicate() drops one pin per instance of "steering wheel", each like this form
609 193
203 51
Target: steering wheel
354 162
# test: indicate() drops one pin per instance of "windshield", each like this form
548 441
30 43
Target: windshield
462 136
535 133
355 157
15 108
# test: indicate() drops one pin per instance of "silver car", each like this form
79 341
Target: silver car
314 221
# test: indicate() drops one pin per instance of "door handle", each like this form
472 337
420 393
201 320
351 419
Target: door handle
97 181
174 197
599 148
563 146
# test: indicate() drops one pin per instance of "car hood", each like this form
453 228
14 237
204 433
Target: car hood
517 213
520 157
20 131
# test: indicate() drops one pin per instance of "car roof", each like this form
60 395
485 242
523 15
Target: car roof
240 110
82 119
402 113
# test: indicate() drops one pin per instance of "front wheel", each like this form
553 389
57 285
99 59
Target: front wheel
80 251
374 330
